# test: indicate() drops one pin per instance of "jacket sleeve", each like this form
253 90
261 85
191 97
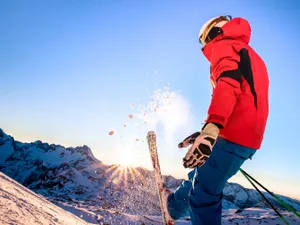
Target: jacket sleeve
227 76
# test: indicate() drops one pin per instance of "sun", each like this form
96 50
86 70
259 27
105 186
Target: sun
120 173
126 158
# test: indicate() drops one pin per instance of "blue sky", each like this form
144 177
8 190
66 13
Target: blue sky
70 71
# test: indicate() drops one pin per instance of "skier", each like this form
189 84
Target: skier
235 124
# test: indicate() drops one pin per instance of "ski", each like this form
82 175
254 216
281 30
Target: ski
151 138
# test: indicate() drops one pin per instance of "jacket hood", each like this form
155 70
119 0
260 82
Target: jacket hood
236 29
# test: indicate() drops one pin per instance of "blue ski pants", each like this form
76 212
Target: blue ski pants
201 195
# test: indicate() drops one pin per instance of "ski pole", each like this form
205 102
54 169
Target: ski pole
279 214
273 195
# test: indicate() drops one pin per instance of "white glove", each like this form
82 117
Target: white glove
202 144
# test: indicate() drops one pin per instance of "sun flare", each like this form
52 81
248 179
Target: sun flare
120 175
126 155
126 159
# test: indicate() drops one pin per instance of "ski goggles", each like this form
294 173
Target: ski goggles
205 37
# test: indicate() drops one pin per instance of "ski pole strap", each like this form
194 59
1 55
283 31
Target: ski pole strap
288 207
264 197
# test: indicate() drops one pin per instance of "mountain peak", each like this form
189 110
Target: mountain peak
85 150
2 134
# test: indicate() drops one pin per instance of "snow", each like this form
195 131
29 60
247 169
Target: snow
20 206
90 217
95 193
241 195
53 158
254 216
82 180
228 205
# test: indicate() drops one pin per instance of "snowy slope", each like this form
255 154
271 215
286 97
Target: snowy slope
20 206
75 180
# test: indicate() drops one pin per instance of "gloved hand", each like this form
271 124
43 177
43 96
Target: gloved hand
202 144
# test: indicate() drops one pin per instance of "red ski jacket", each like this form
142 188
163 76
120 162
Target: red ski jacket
239 77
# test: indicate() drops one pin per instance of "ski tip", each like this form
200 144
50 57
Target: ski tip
151 132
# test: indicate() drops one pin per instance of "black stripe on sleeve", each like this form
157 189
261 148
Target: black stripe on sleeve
233 74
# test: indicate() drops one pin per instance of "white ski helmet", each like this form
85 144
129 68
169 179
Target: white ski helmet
207 33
